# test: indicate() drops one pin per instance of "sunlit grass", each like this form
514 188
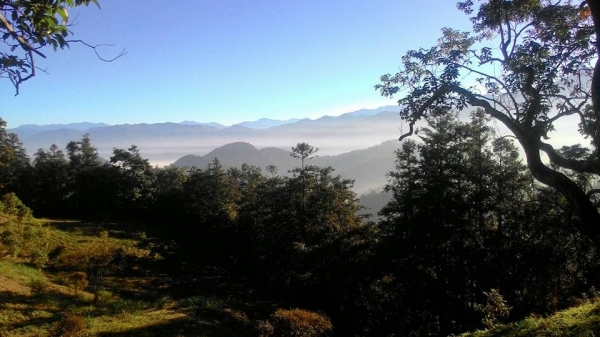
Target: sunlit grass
579 321
41 301
19 271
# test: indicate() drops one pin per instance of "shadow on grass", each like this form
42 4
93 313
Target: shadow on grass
38 301
50 305
119 230
87 229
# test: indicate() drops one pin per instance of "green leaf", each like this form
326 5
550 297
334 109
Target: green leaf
63 14
5 36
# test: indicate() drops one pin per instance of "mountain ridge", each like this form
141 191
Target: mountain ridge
164 143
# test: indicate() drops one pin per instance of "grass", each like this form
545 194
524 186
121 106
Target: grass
579 321
39 299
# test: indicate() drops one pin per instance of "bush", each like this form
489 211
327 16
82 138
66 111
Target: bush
70 325
299 322
12 205
11 241
263 328
78 281
26 241
38 286
495 310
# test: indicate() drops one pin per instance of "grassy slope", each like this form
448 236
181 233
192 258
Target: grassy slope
582 320
136 299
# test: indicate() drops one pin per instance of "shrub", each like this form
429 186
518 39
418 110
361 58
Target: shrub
11 241
103 234
299 322
12 205
70 325
38 286
78 281
263 328
495 309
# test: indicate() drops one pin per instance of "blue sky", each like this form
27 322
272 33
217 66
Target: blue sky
226 61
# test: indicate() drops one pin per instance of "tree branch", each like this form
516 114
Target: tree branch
95 48
24 44
587 166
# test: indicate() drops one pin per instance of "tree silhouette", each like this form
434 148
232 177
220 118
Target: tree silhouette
540 73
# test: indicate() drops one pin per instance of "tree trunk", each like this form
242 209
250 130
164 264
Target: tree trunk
589 218
595 10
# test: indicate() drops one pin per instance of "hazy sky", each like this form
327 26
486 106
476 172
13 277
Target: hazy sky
226 61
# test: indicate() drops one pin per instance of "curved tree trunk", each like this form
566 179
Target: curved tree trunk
589 223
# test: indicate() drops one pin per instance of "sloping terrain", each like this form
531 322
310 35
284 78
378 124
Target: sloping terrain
578 321
137 297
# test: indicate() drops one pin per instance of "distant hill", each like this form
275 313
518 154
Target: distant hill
230 155
74 126
368 167
373 202
371 112
32 129
265 123
211 124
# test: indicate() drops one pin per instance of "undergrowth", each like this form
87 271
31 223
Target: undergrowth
579 321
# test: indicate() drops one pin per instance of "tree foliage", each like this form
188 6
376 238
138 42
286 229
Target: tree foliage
541 72
27 28
304 151
465 221
14 162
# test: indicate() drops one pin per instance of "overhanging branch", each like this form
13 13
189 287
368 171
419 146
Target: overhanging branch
24 44
587 166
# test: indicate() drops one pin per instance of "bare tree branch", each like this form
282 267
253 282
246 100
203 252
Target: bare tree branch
95 48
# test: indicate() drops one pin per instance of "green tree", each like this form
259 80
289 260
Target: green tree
28 27
303 151
465 218
51 182
135 183
169 193
92 184
14 163
210 204
298 230
82 154
537 75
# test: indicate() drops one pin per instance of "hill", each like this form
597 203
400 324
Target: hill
139 296
368 167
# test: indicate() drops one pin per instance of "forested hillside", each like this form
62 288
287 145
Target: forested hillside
468 239
488 227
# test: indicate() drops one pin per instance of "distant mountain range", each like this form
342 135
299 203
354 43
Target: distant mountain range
165 143
265 123
32 129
